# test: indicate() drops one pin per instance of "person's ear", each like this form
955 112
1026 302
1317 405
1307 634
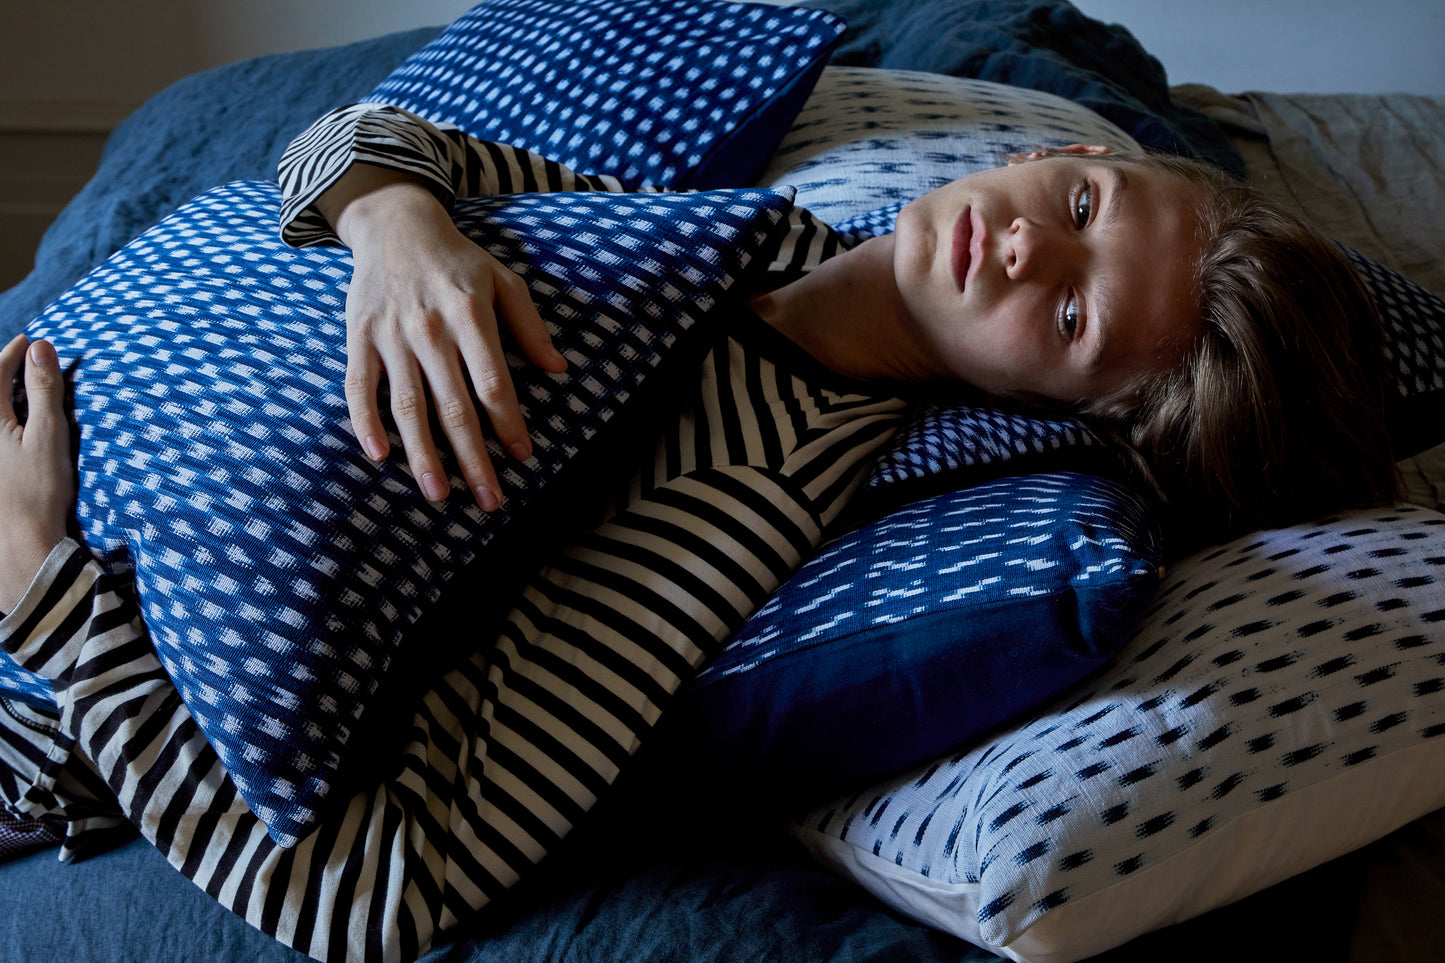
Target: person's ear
1074 149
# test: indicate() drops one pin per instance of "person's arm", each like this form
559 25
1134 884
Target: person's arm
425 302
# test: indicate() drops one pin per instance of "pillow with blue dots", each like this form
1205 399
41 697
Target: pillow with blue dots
660 93
278 570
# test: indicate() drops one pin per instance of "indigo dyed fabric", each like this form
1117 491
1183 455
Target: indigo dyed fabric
925 629
1282 703
668 93
278 570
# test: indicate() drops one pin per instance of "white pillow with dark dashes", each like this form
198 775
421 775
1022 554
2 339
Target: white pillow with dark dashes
1282 704
868 138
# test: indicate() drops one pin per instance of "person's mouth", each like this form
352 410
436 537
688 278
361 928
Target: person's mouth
961 255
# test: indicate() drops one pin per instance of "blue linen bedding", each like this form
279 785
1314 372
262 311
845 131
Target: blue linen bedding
734 891
627 892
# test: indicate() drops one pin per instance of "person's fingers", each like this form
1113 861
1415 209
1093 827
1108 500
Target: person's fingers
363 381
44 395
458 418
514 304
492 382
410 410
12 356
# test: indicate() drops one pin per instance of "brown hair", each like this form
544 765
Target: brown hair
1277 411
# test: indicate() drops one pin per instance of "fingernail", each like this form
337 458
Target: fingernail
374 448
488 499
42 352
520 451
434 486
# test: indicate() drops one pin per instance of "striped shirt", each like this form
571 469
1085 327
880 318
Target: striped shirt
506 752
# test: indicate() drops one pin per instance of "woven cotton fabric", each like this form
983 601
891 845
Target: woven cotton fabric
277 569
651 91
927 627
868 139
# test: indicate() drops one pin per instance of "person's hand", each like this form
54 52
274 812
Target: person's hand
423 309
37 483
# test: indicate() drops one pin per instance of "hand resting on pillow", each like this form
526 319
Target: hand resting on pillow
423 308
37 483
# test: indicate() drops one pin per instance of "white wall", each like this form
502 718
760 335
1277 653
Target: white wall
86 62
1321 46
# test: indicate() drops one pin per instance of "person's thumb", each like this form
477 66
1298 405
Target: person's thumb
44 387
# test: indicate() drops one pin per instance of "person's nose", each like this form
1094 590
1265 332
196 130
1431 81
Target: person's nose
1031 250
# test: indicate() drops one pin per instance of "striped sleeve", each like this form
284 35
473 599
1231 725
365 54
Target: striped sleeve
506 752
453 164
447 160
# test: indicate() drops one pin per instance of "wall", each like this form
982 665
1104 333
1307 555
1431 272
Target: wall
1324 46
70 69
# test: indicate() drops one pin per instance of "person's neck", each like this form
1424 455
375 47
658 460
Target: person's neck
848 313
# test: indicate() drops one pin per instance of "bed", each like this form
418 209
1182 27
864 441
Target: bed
664 870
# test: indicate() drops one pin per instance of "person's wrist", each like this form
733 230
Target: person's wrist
370 212
24 554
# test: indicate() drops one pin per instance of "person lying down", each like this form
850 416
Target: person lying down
1141 292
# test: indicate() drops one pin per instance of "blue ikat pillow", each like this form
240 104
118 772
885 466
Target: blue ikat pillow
671 93
924 629
278 570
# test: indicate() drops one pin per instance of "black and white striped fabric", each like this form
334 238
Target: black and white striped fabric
506 752
673 93
1283 703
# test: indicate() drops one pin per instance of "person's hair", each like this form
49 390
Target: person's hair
1276 412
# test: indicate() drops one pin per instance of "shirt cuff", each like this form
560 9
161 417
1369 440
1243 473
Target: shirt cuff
31 632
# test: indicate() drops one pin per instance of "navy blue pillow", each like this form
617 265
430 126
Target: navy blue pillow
277 569
924 629
671 93
1414 321
950 445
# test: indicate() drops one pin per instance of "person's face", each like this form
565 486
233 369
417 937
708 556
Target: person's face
1062 278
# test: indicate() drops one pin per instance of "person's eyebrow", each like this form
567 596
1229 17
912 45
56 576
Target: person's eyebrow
1118 183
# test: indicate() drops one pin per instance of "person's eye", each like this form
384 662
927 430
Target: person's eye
1069 317
1082 206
